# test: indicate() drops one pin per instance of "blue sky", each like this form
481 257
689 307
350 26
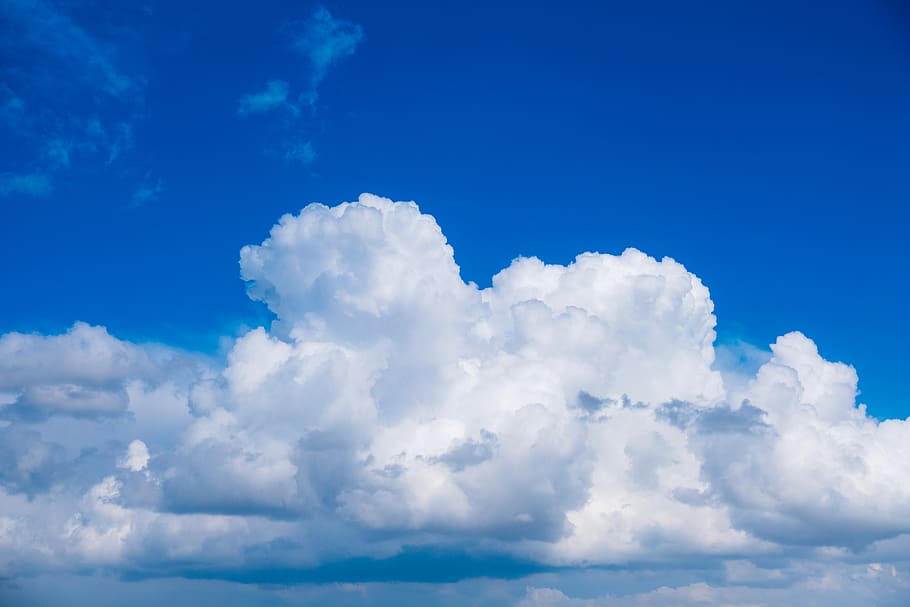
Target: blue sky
762 145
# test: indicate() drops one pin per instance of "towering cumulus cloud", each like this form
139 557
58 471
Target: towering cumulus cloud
565 417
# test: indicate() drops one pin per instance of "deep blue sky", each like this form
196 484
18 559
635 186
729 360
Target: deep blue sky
765 145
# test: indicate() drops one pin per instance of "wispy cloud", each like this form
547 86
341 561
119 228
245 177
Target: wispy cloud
28 184
300 151
66 99
273 97
47 30
146 193
323 40
12 107
57 152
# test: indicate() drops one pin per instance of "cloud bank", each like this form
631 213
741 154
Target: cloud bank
565 418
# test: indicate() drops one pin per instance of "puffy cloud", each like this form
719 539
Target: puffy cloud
136 457
84 354
82 372
566 416
821 471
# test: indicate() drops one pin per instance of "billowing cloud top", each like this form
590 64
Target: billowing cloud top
565 416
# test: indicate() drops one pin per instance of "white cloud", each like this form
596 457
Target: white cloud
84 355
83 372
567 415
136 457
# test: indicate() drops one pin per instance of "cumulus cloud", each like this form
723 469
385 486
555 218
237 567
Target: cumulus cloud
83 372
136 457
567 415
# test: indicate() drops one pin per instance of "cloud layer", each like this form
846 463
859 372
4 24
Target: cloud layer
566 416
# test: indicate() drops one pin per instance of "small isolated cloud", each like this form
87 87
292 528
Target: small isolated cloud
31 184
66 98
273 97
323 40
299 151
136 457
146 193
567 418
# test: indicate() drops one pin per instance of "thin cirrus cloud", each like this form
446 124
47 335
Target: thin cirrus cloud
66 101
147 192
322 40
43 29
274 96
31 184
567 418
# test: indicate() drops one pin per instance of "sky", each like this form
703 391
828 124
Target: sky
620 321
